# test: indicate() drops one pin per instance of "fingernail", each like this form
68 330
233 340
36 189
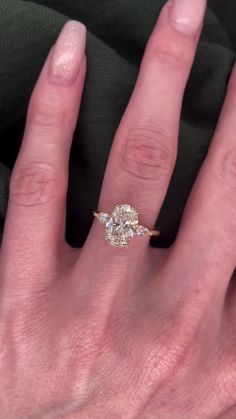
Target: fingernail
188 15
68 52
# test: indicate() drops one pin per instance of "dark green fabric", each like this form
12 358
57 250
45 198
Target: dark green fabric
117 34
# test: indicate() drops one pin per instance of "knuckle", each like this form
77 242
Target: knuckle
174 348
227 169
44 114
172 57
146 155
37 184
166 354
224 169
226 386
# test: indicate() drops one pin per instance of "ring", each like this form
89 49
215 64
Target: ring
122 225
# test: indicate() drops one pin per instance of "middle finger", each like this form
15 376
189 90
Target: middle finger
144 150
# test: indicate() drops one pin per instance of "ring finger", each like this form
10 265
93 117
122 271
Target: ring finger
144 150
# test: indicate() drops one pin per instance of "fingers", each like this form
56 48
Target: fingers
205 246
34 228
144 150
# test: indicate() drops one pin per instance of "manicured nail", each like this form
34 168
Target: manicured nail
188 15
68 52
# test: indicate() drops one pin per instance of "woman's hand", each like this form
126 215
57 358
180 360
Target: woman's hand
109 332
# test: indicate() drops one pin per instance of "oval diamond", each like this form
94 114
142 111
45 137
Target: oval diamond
121 226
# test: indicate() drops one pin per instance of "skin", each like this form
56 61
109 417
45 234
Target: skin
105 332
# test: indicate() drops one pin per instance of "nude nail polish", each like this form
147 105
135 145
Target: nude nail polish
68 52
187 15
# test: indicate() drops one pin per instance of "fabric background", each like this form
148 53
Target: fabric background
118 31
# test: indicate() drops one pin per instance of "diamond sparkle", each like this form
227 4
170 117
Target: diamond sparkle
122 225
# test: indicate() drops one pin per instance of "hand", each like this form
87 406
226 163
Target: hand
111 332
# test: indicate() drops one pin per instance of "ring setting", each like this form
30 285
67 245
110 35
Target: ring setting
123 225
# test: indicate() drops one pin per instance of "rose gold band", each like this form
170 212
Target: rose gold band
155 233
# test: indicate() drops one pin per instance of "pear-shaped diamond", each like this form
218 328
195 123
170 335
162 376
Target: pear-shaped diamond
103 217
142 231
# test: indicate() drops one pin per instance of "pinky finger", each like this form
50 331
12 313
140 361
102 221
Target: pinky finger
205 245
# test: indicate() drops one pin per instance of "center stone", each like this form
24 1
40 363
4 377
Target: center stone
120 228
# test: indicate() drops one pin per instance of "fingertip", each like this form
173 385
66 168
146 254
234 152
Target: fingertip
187 16
67 54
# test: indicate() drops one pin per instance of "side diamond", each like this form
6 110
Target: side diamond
103 217
142 231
